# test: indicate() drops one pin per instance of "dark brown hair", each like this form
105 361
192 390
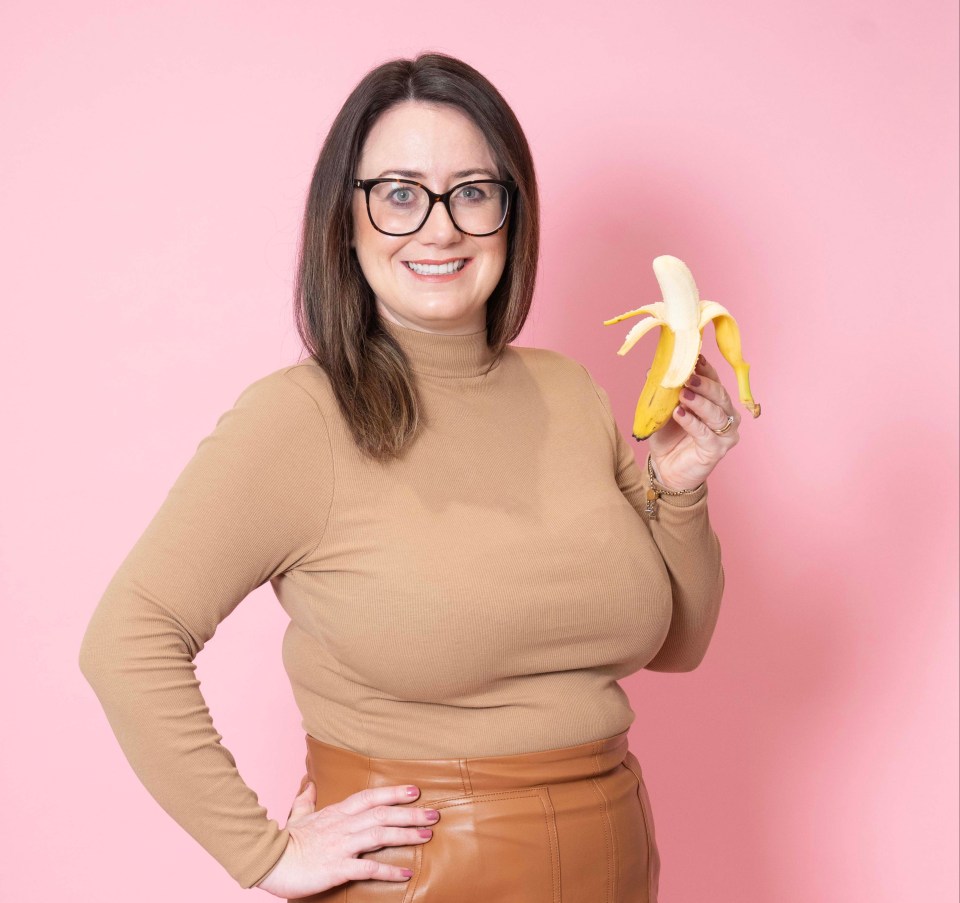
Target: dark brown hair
335 309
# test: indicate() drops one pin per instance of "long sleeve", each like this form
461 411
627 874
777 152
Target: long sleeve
690 550
250 504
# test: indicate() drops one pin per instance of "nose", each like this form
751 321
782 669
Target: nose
439 228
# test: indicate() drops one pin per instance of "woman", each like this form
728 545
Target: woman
456 528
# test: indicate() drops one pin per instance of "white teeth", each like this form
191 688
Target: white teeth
436 269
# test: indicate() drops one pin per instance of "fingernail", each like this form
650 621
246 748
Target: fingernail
407 873
431 813
680 411
694 380
701 359
413 791
686 393
425 832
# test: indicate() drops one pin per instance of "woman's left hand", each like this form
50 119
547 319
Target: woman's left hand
686 449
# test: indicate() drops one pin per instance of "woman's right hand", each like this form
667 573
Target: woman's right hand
323 845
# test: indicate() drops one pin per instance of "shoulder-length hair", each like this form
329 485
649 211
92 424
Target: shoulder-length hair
335 308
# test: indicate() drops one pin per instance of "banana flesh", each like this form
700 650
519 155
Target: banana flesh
681 317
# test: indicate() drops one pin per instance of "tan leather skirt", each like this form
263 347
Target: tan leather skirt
567 825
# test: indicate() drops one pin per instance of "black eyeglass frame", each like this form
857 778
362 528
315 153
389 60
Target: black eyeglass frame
510 186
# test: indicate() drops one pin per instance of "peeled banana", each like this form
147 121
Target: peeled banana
681 317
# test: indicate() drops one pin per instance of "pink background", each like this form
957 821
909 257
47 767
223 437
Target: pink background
801 157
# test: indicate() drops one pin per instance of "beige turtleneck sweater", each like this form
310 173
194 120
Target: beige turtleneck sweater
480 596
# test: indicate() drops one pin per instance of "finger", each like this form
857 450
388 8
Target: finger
363 869
378 836
396 816
374 796
304 802
705 437
715 391
710 413
705 368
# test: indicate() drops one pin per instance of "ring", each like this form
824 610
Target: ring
726 426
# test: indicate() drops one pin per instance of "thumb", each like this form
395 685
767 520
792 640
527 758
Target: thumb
303 803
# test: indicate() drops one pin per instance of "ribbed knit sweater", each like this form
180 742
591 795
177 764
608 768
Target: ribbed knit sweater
479 596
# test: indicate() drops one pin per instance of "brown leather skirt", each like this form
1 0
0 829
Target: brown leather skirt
567 825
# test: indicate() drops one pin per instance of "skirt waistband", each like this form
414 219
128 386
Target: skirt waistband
472 774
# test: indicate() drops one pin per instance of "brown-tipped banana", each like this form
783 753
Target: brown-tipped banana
681 317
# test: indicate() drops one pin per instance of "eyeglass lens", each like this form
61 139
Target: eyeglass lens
477 207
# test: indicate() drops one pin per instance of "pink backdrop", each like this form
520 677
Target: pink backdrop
801 156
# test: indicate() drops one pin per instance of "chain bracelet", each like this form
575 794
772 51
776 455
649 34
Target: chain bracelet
653 493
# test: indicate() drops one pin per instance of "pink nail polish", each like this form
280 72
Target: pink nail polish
680 411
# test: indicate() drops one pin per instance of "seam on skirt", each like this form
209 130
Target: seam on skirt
417 874
647 817
465 780
607 840
366 785
550 816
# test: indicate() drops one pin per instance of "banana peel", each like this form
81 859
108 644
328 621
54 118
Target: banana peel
682 317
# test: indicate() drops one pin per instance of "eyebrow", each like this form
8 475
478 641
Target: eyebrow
412 174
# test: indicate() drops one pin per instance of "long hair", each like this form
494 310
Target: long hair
335 308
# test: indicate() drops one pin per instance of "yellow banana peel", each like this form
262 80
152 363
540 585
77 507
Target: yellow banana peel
681 317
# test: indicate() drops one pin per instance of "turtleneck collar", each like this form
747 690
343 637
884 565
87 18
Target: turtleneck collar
434 354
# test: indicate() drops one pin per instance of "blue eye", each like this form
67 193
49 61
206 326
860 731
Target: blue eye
472 193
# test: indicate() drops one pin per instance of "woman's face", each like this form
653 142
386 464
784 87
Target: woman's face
438 146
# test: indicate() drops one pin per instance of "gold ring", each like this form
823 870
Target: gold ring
726 426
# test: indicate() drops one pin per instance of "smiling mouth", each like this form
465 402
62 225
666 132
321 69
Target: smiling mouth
436 269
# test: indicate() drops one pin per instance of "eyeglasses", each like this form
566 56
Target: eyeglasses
401 206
